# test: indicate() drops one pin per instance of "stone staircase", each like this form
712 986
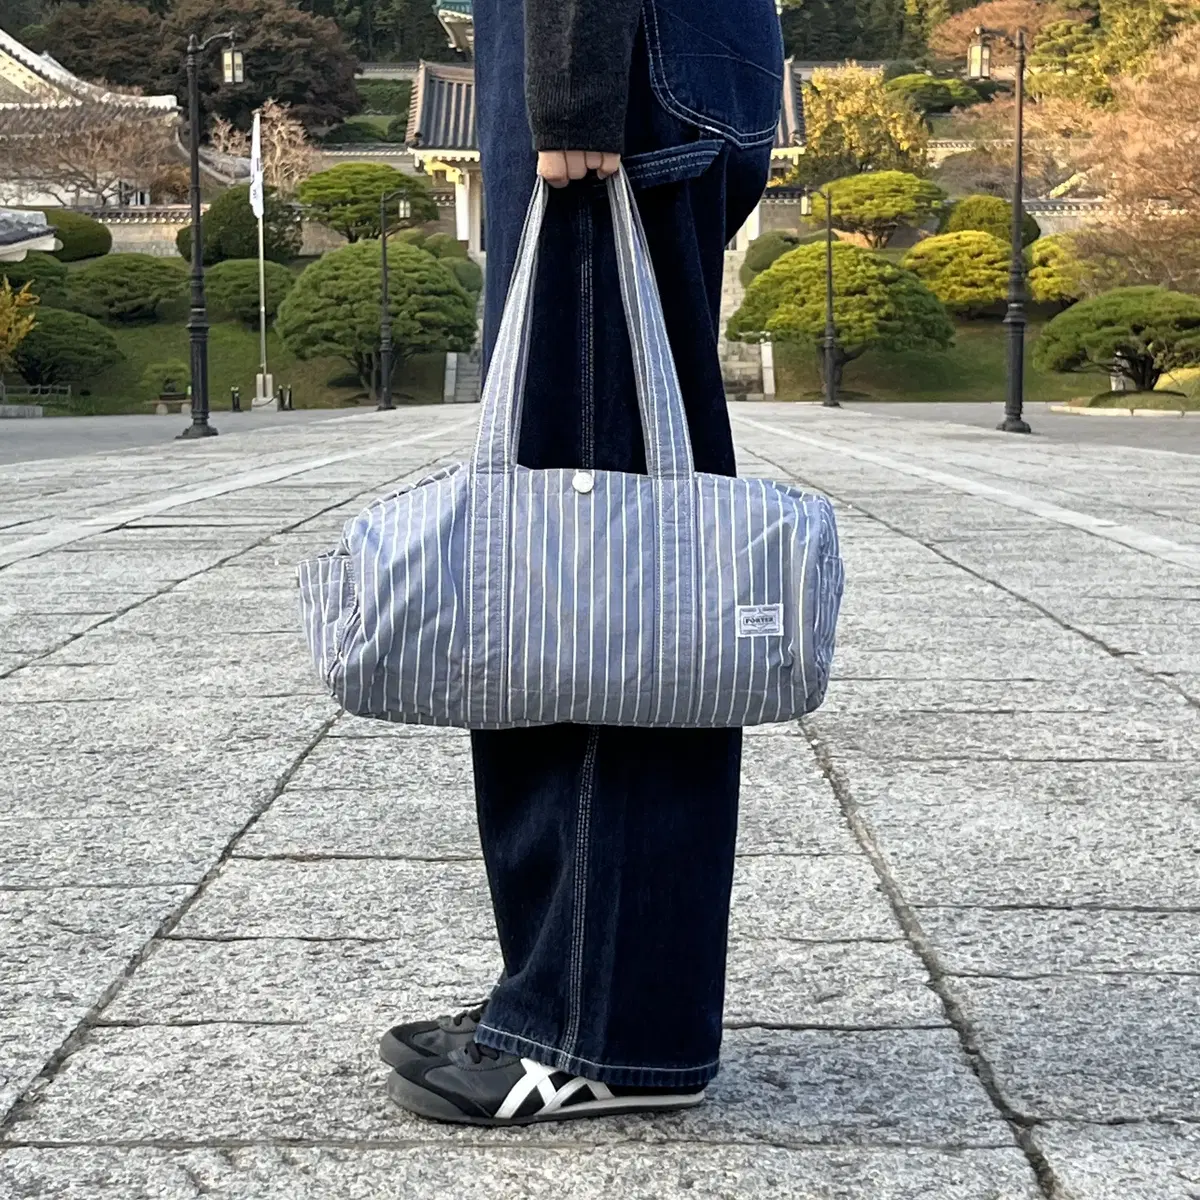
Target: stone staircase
741 362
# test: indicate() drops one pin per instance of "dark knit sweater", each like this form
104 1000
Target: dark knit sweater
577 55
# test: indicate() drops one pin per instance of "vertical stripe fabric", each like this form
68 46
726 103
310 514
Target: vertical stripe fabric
489 595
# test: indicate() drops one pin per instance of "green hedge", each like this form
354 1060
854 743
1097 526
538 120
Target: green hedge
233 288
386 97
81 235
46 275
65 346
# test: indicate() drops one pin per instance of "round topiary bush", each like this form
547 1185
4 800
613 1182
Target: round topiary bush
397 130
126 287
966 271
166 378
231 229
81 236
46 276
989 214
233 288
64 347
928 94
444 245
467 273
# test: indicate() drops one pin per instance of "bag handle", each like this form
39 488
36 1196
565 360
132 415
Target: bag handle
660 401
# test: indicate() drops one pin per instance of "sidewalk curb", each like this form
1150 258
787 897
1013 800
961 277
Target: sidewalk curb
1075 411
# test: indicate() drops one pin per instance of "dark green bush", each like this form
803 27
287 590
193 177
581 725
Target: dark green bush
231 229
351 133
397 130
989 214
444 245
467 273
233 288
385 97
46 275
65 346
928 94
81 235
126 287
764 250
170 377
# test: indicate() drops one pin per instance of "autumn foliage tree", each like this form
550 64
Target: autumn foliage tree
949 39
1143 156
853 124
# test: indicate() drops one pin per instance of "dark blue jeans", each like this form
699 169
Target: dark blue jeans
610 851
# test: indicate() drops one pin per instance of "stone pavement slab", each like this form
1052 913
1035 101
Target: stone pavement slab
964 917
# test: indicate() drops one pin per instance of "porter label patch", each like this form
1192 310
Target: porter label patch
759 620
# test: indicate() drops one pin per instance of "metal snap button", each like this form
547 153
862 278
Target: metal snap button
583 482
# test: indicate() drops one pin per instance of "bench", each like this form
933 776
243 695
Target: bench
169 402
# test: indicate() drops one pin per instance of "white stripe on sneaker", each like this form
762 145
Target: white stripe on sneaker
538 1077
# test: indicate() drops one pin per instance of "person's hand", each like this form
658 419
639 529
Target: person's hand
559 167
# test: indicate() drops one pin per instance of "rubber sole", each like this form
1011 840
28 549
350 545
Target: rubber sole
416 1099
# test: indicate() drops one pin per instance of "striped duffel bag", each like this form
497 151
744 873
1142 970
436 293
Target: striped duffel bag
491 595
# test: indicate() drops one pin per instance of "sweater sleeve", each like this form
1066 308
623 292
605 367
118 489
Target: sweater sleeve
577 56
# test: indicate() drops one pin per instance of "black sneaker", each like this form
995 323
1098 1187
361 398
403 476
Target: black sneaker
429 1039
476 1085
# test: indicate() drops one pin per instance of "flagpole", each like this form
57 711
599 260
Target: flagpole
262 391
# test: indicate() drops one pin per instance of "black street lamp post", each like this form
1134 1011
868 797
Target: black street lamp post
829 342
403 211
980 68
234 72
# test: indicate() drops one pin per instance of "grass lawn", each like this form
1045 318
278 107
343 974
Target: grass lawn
972 369
233 360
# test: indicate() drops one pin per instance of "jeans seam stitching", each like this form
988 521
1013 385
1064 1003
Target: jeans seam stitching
578 930
662 89
517 1037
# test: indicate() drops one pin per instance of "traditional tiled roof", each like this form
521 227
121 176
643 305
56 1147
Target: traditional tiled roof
790 131
22 231
35 80
442 115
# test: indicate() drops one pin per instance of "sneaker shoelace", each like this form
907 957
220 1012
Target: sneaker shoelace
472 1014
477 1053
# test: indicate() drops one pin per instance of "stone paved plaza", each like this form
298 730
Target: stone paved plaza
965 958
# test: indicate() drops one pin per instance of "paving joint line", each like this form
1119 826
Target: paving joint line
29 1095
27 1100
1019 1124
174 584
1122 656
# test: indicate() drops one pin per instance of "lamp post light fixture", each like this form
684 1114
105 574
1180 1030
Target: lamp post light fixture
829 342
403 212
234 71
979 68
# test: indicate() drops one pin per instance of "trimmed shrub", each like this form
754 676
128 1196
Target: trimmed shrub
928 94
44 273
764 250
126 287
1056 274
351 133
875 204
467 273
81 235
966 271
1140 333
231 229
444 245
233 288
989 214
166 377
397 130
64 347
385 96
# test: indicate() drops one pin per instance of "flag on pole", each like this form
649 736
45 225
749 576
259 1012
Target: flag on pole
256 169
